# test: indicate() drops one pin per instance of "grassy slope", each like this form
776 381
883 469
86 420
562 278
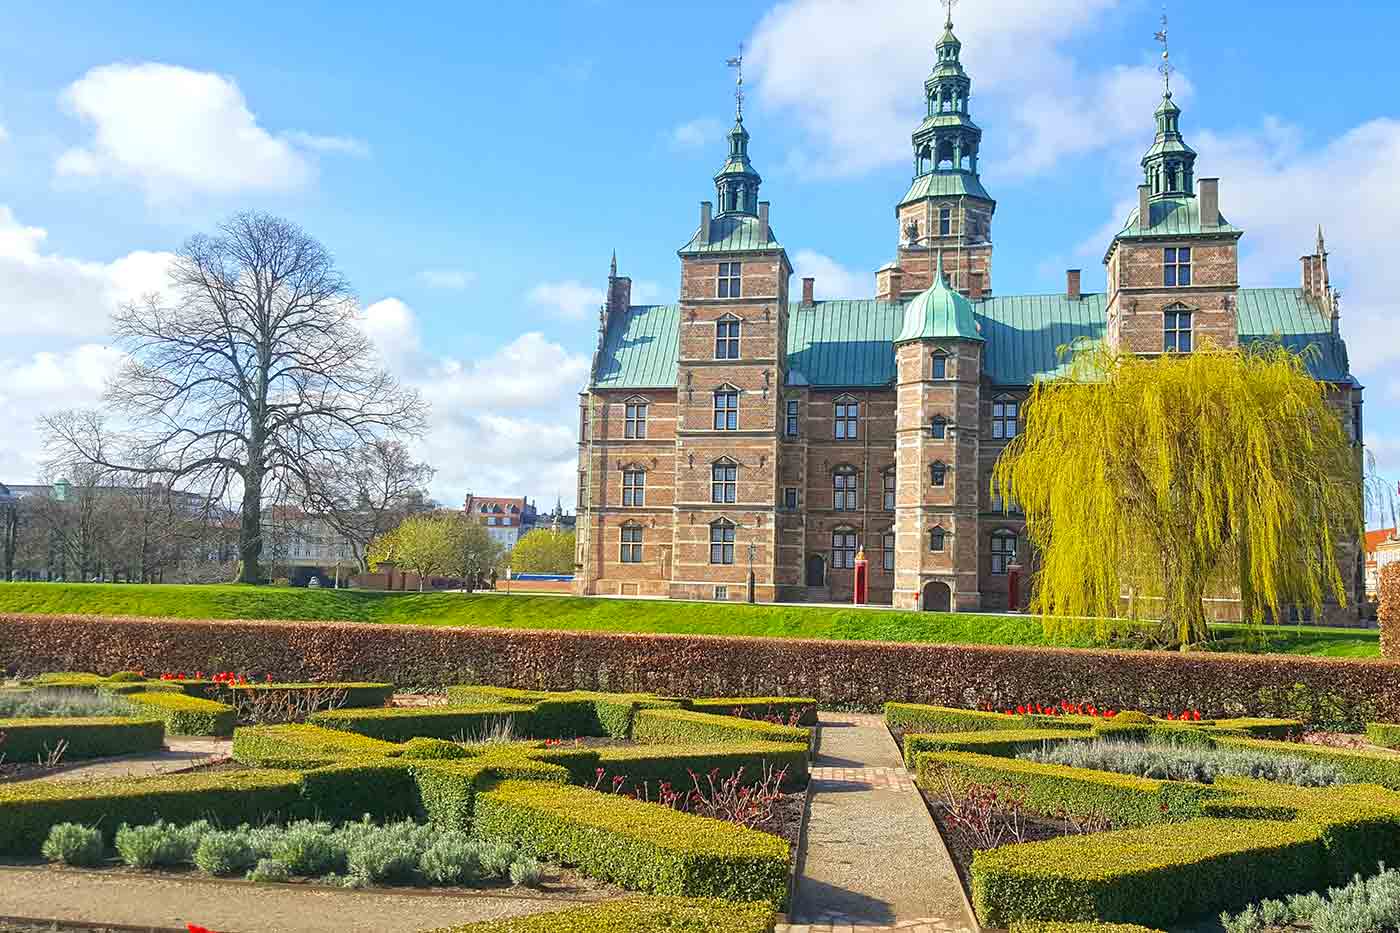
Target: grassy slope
561 612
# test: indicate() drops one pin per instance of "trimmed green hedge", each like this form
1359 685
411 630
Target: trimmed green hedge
344 791
28 810
1087 926
566 714
676 726
758 707
638 915
1357 765
400 725
1384 734
1124 800
27 740
637 845
1004 742
186 715
917 717
1260 728
356 695
653 764
448 790
303 746
1146 875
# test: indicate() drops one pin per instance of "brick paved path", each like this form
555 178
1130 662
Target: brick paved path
874 860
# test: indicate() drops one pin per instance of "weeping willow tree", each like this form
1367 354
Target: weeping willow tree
1149 483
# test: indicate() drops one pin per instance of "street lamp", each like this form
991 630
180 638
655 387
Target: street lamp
753 549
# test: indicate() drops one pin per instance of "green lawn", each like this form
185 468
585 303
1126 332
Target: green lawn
611 615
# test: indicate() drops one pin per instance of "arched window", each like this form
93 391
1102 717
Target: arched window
1176 330
938 473
937 538
1003 551
1006 413
724 482
843 549
726 409
940 365
887 484
635 418
887 551
631 543
847 418
722 542
634 486
843 488
727 335
939 429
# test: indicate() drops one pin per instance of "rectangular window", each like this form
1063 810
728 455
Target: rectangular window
847 419
945 221
634 487
724 483
721 592
635 422
939 429
792 409
888 555
1176 266
1176 331
631 544
729 280
843 550
888 484
727 339
727 410
938 473
1003 553
940 366
790 498
844 491
1004 419
722 543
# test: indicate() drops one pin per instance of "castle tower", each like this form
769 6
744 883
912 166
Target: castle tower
946 210
938 364
730 372
1173 270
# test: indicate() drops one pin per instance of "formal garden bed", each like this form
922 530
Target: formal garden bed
1058 815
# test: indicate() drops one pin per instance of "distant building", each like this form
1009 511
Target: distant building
300 546
504 518
1382 547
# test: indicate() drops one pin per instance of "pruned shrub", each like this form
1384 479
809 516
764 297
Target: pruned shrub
1165 761
159 844
527 872
225 853
638 915
452 858
1384 734
74 844
307 848
269 869
184 715
439 749
1389 612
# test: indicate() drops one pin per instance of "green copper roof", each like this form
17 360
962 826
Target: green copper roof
945 185
938 313
850 343
732 233
1173 217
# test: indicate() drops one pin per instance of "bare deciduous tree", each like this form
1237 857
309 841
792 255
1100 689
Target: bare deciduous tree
368 493
255 371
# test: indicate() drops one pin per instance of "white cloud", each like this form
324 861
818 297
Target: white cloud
177 132
44 382
695 134
392 326
450 279
50 295
833 279
852 73
571 300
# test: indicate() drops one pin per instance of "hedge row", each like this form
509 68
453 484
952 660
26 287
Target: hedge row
784 708
638 845
837 673
1384 734
185 715
677 726
302 747
1355 764
352 695
1389 614
640 915
27 740
1087 926
1001 742
674 764
401 724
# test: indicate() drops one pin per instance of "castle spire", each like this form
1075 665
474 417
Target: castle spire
1169 167
736 183
948 142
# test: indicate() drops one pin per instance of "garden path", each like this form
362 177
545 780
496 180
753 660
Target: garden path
180 752
118 897
873 859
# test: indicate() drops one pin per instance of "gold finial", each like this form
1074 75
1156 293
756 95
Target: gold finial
1166 67
948 20
737 63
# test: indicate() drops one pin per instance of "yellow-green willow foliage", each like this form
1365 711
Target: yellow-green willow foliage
1149 483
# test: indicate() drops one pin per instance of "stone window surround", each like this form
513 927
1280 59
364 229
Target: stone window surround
630 537
845 486
938 474
726 408
845 544
728 332
722 541
1006 424
1003 548
634 485
888 486
729 280
635 417
937 539
724 481
845 419
1178 322
939 367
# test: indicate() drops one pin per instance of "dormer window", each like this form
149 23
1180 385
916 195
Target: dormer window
1176 266
727 337
728 285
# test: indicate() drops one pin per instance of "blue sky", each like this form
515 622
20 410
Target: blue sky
473 166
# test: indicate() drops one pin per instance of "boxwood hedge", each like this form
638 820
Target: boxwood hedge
303 746
352 695
88 737
638 915
1384 734
185 715
675 726
1005 742
653 764
758 707
401 724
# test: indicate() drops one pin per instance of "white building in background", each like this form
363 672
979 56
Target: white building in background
1382 548
504 518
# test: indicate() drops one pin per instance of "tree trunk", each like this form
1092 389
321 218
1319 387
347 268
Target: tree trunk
250 533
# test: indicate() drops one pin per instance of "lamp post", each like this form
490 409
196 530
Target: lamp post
753 549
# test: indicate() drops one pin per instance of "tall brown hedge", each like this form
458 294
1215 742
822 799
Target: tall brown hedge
1390 610
848 674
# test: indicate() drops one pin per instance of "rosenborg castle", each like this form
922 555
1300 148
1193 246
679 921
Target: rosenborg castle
750 429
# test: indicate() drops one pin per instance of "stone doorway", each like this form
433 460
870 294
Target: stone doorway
938 597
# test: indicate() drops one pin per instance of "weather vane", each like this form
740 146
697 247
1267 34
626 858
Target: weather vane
737 63
948 22
1166 67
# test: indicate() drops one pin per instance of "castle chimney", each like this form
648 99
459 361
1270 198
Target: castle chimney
762 222
619 293
1210 202
809 288
706 209
1144 207
1072 291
